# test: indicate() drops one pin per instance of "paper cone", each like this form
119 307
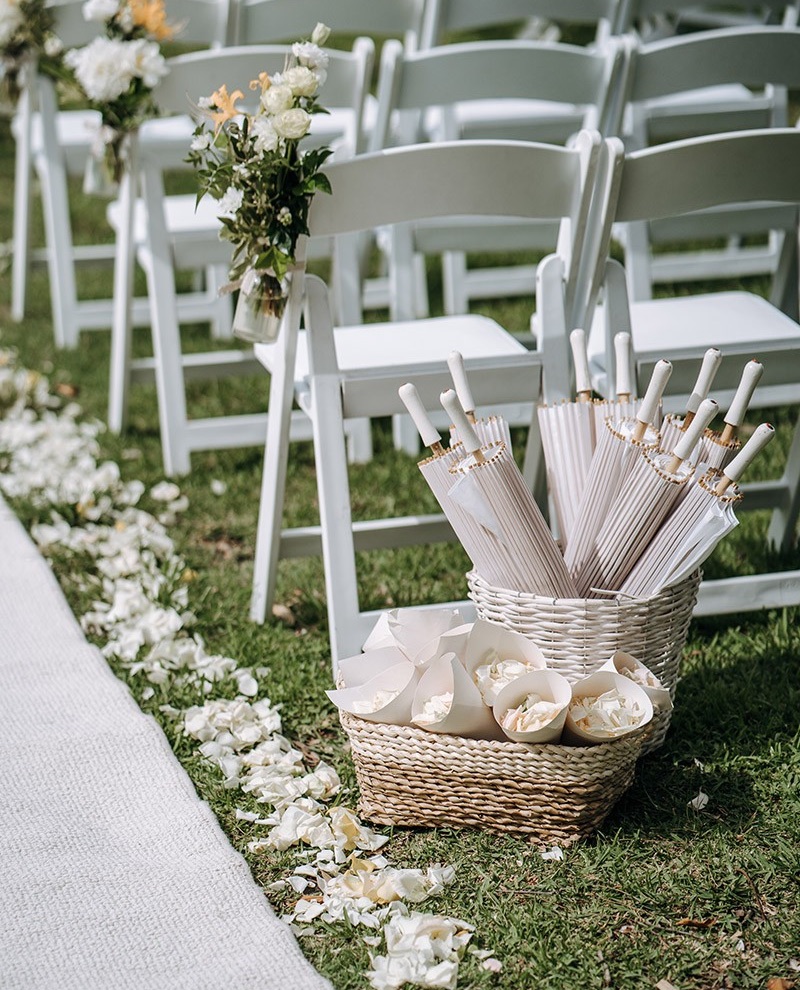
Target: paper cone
357 670
467 715
595 685
653 688
414 631
402 678
549 686
491 643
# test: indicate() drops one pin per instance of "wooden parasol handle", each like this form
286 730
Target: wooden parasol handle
751 376
413 403
455 362
708 369
706 411
622 353
583 379
760 438
466 431
652 397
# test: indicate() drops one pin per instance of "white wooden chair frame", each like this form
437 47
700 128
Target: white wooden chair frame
378 190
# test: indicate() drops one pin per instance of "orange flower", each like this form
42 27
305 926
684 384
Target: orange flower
225 105
263 82
152 18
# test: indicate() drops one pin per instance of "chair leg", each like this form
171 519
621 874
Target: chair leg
61 270
359 441
22 208
782 525
405 435
338 548
121 320
273 482
222 310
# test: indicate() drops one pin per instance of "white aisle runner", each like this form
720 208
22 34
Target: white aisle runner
113 874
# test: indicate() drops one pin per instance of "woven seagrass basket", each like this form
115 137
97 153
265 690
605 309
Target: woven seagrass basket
577 636
552 793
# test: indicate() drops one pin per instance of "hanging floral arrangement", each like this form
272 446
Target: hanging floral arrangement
26 38
252 163
117 73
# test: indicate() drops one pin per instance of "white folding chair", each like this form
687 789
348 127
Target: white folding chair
675 180
168 233
448 79
55 144
761 59
341 372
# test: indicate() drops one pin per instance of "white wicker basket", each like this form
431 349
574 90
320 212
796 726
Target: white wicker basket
577 636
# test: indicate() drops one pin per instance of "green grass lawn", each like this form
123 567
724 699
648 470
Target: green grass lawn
704 900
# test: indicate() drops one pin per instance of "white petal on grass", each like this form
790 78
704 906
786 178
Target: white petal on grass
699 801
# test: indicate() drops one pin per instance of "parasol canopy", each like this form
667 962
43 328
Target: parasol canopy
644 501
508 537
621 445
692 531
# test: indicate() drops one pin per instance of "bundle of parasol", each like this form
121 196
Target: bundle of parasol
637 508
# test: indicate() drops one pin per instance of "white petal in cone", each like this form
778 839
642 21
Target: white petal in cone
605 706
490 645
552 694
466 715
623 663
386 698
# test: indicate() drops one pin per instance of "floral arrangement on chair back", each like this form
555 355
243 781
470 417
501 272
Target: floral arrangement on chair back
252 164
26 36
116 73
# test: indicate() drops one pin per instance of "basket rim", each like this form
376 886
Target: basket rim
499 746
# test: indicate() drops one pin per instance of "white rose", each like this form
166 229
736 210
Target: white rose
201 141
265 138
230 202
10 19
301 80
292 124
310 54
277 98
99 10
320 34
147 62
102 68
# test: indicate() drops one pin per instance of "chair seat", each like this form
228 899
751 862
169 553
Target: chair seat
741 324
389 346
193 229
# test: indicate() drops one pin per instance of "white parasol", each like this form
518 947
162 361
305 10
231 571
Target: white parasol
508 538
624 405
490 429
620 446
644 501
673 426
692 531
568 440
717 449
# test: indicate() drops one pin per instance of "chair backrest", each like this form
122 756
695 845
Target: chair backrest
677 180
447 17
198 22
630 13
288 20
489 70
753 56
454 74
463 179
191 77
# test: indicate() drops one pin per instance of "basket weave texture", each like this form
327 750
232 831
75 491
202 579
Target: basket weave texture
577 636
555 794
